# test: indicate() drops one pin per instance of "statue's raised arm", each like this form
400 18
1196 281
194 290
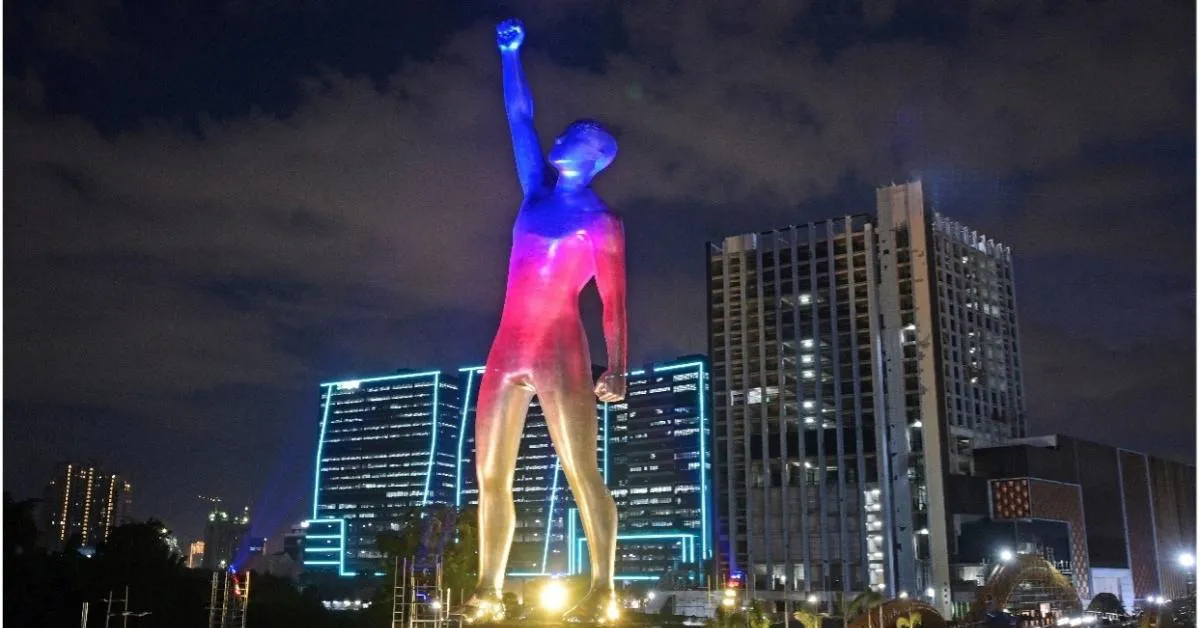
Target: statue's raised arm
518 104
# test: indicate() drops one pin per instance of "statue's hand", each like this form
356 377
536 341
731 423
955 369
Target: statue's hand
611 386
510 34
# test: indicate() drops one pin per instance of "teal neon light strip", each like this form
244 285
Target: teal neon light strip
383 378
571 533
606 443
462 436
701 390
320 446
676 367
340 548
433 425
550 515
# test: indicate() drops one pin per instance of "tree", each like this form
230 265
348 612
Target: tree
862 603
460 559
20 526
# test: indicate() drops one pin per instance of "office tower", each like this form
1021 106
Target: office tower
655 458
540 490
857 362
85 501
224 534
387 444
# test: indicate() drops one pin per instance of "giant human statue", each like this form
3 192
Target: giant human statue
564 237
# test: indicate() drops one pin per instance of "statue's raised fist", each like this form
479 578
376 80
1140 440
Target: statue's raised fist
510 34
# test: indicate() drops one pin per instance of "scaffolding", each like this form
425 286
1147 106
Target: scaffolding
228 598
418 598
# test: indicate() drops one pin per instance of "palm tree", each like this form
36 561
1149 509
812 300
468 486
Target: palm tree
863 602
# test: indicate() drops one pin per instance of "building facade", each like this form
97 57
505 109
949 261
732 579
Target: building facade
195 556
387 444
655 459
857 362
1115 520
84 502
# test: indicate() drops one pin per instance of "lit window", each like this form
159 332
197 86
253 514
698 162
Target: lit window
805 299
808 374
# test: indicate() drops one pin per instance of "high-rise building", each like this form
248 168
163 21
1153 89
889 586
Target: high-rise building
86 502
655 458
387 444
857 362
224 534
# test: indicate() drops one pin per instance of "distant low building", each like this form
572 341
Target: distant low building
279 564
223 537
1113 520
293 543
195 554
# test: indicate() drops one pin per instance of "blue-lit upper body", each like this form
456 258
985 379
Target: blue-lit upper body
564 237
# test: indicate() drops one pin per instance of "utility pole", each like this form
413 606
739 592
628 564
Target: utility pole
108 608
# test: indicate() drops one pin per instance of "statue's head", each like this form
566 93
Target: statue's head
583 150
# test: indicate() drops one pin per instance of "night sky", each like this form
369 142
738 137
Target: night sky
212 206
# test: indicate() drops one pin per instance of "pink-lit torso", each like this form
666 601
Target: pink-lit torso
551 262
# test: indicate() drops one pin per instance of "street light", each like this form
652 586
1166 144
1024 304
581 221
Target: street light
930 592
1187 560
812 599
553 596
1006 555
904 595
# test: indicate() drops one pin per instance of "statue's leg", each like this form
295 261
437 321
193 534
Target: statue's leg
569 403
499 420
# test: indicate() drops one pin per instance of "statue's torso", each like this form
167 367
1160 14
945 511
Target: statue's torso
551 260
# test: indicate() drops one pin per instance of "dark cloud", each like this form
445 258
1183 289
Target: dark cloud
202 225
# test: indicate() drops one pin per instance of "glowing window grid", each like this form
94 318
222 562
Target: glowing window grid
331 392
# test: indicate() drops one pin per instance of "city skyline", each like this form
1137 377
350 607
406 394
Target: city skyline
197 237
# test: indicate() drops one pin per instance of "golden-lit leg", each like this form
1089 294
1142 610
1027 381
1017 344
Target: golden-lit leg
500 419
569 403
